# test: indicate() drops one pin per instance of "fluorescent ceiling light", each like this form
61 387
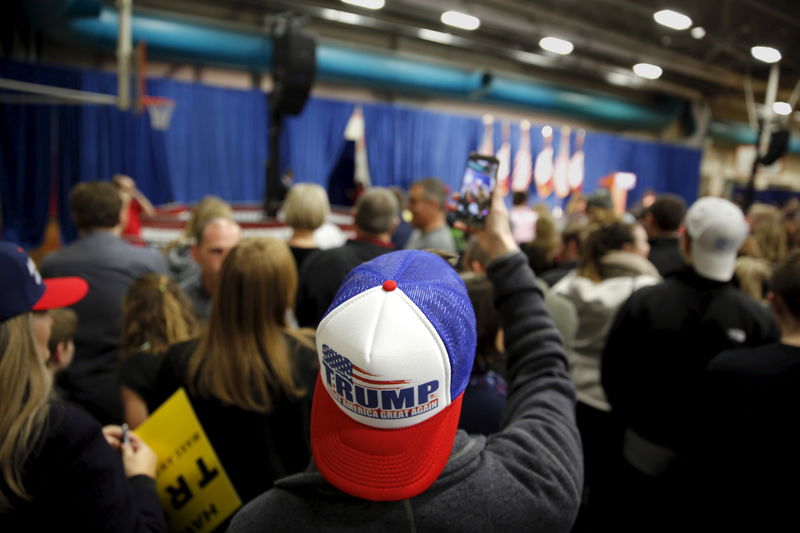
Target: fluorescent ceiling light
698 32
646 70
767 54
672 19
341 16
556 45
461 20
532 59
435 36
368 4
782 108
623 80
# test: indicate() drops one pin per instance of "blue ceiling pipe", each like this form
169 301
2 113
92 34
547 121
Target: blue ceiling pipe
89 22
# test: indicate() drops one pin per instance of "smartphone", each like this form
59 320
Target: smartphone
475 197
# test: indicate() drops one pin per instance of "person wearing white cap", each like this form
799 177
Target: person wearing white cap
396 350
657 351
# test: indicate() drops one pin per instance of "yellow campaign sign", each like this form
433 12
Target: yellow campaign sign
194 490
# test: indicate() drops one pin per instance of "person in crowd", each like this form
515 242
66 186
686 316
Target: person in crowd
523 218
306 208
135 205
485 396
402 232
405 317
249 375
213 241
570 250
543 249
156 315
663 220
109 265
376 216
61 345
752 441
752 275
178 253
791 223
474 263
613 264
57 470
766 226
656 354
600 208
427 201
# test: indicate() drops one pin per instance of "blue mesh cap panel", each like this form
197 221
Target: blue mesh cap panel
439 293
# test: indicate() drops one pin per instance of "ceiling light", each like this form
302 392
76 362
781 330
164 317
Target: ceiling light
435 36
623 80
556 45
461 20
531 58
767 54
646 70
698 32
368 4
341 16
782 108
672 19
547 131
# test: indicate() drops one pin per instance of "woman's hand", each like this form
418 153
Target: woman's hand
137 457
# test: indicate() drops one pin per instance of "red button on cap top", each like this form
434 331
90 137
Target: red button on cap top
389 285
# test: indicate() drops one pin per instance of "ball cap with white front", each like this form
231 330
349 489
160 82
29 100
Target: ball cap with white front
717 229
396 350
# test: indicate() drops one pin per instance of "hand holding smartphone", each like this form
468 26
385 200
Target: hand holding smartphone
477 187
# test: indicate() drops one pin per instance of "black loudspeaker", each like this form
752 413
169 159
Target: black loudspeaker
294 66
778 144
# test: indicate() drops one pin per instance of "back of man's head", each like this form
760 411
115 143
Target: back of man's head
717 229
95 205
668 211
434 190
785 282
377 211
396 350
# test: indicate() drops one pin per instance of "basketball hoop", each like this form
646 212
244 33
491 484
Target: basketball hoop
160 111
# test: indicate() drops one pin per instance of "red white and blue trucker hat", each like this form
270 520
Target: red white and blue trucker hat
22 288
396 349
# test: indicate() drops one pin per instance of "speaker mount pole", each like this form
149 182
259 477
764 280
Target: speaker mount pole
274 196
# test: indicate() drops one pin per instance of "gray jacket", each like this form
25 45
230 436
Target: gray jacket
527 477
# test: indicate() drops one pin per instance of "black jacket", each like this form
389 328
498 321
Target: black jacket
666 255
324 271
77 483
660 344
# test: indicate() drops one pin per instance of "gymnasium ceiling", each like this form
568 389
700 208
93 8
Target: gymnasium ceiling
609 37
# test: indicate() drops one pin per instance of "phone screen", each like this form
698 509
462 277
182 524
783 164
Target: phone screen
476 189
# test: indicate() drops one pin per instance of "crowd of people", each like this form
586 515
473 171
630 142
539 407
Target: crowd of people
597 372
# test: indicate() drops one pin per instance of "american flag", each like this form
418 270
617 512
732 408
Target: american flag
358 376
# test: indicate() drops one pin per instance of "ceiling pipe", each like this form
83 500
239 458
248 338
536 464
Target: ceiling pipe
89 22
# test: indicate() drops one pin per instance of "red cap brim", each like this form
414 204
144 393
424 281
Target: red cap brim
61 292
379 464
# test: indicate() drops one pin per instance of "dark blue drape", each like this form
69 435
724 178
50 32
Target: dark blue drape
312 142
405 145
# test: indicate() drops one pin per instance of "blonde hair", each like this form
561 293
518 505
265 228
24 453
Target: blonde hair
306 206
243 359
767 229
25 386
209 208
156 313
753 276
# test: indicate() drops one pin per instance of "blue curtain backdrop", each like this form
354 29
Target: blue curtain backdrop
217 144
405 145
